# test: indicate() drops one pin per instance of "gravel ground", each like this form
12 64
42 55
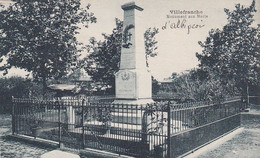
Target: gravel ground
243 145
15 149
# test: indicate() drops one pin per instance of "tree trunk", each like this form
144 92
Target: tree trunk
44 87
247 92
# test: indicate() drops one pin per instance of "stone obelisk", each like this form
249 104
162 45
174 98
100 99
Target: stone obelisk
133 80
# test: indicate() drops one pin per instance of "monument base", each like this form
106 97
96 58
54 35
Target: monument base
133 101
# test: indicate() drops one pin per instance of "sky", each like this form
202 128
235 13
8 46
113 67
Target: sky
176 46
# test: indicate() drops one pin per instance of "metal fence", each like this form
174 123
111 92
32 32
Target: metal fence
136 130
254 100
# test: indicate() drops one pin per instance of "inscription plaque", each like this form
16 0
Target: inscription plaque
125 84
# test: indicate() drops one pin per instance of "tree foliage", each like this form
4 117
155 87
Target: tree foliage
190 86
150 43
174 75
17 87
155 86
39 36
103 61
233 52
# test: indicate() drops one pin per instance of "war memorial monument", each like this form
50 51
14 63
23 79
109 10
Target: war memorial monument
133 80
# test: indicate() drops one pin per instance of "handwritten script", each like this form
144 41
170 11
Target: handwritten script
181 24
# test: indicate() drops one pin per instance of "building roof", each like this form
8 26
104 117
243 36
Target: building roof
167 80
62 87
80 75
84 79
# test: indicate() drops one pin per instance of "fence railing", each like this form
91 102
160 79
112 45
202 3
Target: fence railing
254 100
150 130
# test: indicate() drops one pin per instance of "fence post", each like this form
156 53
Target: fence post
169 131
83 128
144 148
59 108
225 109
247 92
13 117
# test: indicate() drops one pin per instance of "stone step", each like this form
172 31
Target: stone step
114 128
127 110
126 126
126 130
132 118
114 125
116 136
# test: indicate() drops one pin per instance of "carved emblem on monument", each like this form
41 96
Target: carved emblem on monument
127 36
125 76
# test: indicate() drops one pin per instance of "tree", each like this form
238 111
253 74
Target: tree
39 36
104 58
190 86
150 43
174 75
155 86
233 52
17 87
